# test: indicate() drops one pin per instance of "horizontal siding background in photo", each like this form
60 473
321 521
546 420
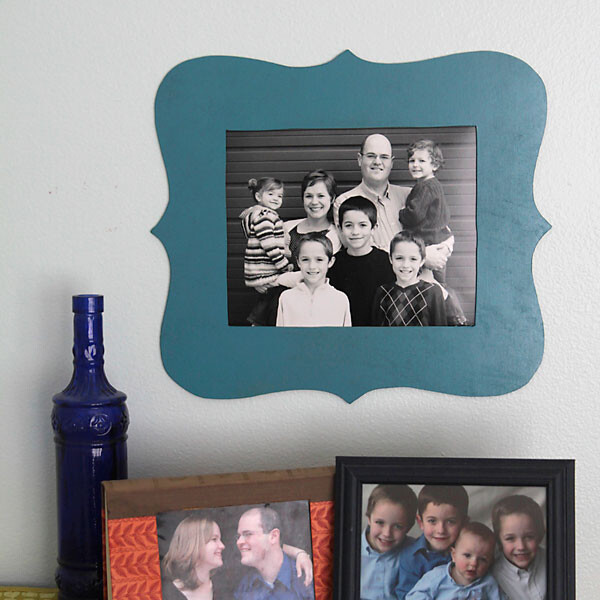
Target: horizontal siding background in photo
290 154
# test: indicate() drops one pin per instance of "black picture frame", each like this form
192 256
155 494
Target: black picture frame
556 476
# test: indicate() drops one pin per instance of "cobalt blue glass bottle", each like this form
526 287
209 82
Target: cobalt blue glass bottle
90 423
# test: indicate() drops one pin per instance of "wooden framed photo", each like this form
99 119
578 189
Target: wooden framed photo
249 531
420 528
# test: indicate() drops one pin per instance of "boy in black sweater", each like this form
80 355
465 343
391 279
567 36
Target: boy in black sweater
359 268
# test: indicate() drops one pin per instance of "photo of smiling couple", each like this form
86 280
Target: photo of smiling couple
250 552
375 255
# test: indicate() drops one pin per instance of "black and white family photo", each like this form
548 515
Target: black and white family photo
247 552
351 227
453 541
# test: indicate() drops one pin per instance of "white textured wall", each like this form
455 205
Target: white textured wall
82 183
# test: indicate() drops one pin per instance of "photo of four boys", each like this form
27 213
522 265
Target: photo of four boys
375 255
443 542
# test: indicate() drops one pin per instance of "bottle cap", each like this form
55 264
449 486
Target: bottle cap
88 303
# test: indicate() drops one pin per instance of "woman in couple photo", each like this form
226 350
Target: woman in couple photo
195 552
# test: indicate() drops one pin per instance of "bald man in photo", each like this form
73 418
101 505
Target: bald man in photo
376 159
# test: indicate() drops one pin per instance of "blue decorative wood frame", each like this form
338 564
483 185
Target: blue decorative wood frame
199 100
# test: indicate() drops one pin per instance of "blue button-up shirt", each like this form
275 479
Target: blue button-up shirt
379 571
438 584
287 585
414 561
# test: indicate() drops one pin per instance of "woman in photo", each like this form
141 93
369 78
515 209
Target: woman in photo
318 193
195 551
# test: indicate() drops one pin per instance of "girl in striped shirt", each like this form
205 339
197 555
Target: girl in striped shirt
265 258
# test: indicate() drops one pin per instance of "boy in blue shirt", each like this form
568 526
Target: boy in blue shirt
442 512
390 515
467 576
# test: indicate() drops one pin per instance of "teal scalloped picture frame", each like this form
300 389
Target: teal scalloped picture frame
200 100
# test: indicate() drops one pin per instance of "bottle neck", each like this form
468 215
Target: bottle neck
88 347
